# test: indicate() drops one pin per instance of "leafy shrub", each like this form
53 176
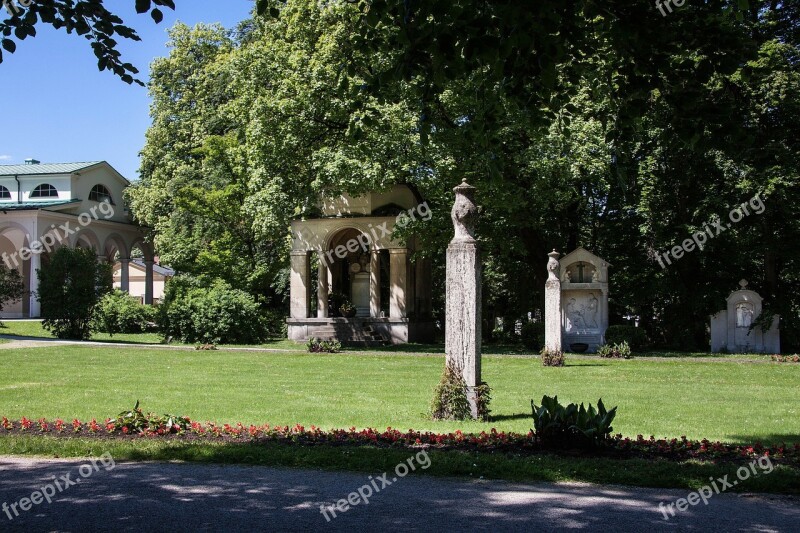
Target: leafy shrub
552 357
119 312
275 323
209 313
635 337
571 426
205 347
70 286
450 401
11 285
134 421
616 351
532 335
319 346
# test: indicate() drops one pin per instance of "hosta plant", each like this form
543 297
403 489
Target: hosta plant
571 426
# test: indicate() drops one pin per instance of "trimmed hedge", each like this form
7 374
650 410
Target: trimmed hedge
195 310
532 335
635 337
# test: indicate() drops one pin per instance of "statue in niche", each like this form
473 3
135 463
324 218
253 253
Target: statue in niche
596 276
568 276
744 315
575 315
591 311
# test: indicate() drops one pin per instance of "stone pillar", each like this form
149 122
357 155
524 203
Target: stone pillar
552 305
148 282
124 275
35 309
398 280
298 285
375 284
463 294
322 288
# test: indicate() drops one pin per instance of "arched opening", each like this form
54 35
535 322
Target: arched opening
14 251
347 260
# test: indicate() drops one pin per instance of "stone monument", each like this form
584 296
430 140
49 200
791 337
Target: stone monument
732 331
584 293
463 298
552 305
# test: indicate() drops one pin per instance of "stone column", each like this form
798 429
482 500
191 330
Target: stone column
148 282
34 308
552 305
298 285
463 294
375 284
398 279
322 288
124 275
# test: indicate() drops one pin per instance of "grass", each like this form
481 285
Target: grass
33 328
732 401
635 472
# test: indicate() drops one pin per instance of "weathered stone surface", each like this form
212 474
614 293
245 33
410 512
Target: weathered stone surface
552 305
732 330
584 299
463 296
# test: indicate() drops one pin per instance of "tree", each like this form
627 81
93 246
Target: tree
70 286
642 134
88 18
11 286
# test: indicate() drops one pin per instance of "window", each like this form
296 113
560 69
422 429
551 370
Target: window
100 193
44 190
5 194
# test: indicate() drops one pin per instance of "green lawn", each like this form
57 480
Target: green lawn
731 401
30 328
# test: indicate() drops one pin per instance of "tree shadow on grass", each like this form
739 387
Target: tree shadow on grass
503 418
771 439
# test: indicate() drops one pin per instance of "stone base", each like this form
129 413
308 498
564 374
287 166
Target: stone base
362 330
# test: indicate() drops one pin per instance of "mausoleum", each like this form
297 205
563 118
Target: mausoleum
348 252
734 330
584 300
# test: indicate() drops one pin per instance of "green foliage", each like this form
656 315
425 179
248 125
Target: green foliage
135 421
450 400
552 357
450 397
88 18
119 312
319 346
346 308
635 337
11 286
70 286
615 351
532 335
196 310
571 426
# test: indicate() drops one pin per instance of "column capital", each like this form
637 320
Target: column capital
299 253
398 251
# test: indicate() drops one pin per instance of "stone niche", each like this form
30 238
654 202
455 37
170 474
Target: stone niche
584 300
731 329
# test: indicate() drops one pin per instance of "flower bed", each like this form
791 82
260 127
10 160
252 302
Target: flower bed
786 358
493 440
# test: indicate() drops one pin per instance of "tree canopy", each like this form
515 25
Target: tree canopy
604 125
88 18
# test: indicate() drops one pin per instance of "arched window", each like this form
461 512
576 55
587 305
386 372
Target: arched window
5 194
45 190
100 193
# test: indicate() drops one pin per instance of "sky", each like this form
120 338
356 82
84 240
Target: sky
58 108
